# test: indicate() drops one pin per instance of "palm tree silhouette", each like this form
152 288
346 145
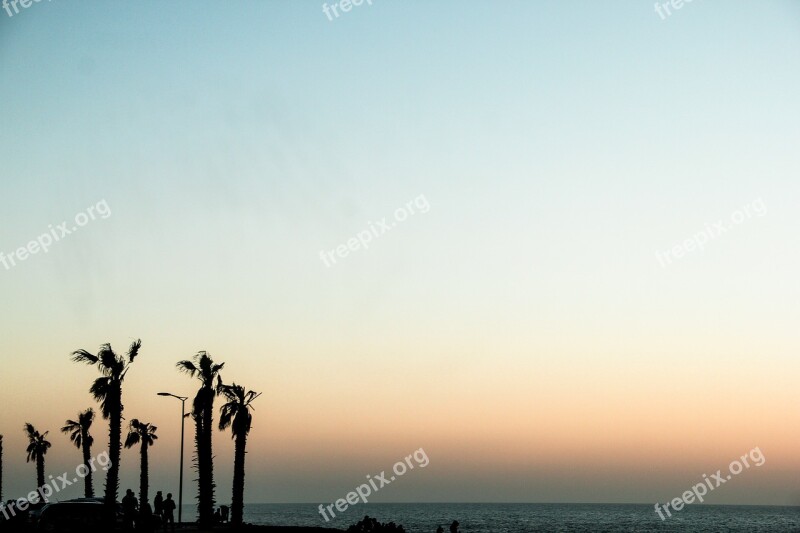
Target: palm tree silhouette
78 431
37 448
204 369
144 433
236 415
107 390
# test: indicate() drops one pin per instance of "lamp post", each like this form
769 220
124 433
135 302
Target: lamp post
183 418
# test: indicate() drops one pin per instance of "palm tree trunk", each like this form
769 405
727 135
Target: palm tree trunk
208 428
114 446
199 442
237 498
206 466
88 489
143 475
40 471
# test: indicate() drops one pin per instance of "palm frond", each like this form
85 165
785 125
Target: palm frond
82 356
140 432
111 363
187 367
75 432
86 418
226 414
236 413
69 426
37 444
133 351
101 390
132 439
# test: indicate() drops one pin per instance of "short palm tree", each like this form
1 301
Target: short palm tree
37 449
144 433
204 369
107 390
78 431
236 415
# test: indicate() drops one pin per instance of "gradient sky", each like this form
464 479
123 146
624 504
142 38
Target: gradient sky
522 331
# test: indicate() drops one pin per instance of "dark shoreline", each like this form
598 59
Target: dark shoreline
265 529
288 529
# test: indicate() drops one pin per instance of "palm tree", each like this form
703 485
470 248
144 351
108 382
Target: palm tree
236 415
78 431
107 390
204 369
144 433
37 448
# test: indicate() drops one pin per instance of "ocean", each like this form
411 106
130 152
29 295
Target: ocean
516 518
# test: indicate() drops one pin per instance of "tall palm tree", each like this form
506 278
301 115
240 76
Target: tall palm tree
107 390
78 431
37 448
236 415
204 369
144 433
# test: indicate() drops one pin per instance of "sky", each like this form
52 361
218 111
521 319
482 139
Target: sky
576 276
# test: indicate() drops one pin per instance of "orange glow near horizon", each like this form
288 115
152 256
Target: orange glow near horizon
482 424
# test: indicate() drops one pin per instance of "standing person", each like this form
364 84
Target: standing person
454 526
145 521
169 508
158 505
129 506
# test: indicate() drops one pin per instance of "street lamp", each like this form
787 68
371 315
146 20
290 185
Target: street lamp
183 418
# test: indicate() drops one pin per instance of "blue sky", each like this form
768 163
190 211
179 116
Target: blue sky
559 144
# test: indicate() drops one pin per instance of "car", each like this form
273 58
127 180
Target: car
95 500
35 509
78 516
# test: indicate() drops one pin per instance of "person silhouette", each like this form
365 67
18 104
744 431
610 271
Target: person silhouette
454 526
169 507
158 504
129 506
224 512
145 520
440 529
